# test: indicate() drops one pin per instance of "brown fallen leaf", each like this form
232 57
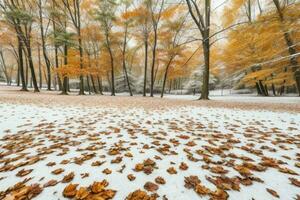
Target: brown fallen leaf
151 187
139 195
219 195
202 190
288 171
70 190
172 170
68 178
160 180
58 171
98 187
131 177
106 171
84 175
139 167
295 182
244 171
82 193
50 183
218 170
183 166
191 182
24 172
272 192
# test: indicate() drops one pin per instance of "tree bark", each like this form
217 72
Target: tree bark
65 87
290 44
40 67
146 66
112 70
30 62
153 62
99 79
165 77
124 61
47 61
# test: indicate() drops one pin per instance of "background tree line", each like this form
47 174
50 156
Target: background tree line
151 46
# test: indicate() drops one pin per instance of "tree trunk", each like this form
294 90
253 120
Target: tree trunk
93 85
259 92
165 78
18 75
99 79
290 44
4 67
146 66
88 84
262 88
273 89
47 61
266 90
40 67
26 63
205 82
153 62
81 83
56 54
65 87
30 62
21 65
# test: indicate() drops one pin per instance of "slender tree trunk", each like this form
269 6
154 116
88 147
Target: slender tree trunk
170 85
81 81
124 61
259 92
27 76
153 62
99 79
30 62
40 67
112 74
65 86
4 67
146 66
18 75
108 80
88 84
266 90
262 88
112 67
56 50
47 61
273 89
165 77
21 64
93 84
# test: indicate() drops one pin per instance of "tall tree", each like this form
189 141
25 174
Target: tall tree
202 21
290 43
73 8
46 59
107 18
156 13
20 14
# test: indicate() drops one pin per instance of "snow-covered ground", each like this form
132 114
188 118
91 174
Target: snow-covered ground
258 150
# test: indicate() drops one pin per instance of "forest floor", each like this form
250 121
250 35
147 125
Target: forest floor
174 148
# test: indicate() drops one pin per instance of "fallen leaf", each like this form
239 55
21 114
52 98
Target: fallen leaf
273 192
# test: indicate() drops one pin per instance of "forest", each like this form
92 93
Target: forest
151 46
149 99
